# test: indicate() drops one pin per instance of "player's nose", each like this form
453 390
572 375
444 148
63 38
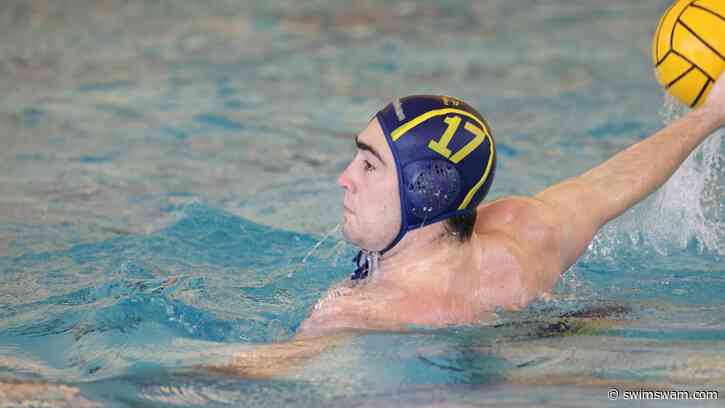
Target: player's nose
345 181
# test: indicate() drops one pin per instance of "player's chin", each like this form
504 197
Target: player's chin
346 229
350 233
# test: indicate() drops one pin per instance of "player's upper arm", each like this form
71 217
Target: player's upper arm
578 211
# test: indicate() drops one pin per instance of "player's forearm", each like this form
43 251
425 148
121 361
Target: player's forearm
634 173
278 359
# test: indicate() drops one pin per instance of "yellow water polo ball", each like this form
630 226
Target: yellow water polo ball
688 49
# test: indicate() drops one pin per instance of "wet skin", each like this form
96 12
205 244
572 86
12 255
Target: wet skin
520 245
519 248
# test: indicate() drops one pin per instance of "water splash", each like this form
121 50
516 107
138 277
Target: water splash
686 213
302 263
672 109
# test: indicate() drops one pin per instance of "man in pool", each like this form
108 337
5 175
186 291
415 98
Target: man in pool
410 194
446 261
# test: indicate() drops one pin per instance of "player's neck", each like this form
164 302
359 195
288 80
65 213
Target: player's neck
422 257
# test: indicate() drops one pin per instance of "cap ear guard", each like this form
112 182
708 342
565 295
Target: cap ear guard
431 187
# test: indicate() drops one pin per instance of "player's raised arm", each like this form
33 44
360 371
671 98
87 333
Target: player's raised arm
583 204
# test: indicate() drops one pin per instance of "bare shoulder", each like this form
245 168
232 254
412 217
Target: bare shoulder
528 223
514 211
518 255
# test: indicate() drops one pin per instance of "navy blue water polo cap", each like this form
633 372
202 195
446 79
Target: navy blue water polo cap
445 156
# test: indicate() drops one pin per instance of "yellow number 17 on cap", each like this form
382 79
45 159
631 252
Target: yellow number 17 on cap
441 146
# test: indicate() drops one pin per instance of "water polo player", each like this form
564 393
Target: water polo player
432 256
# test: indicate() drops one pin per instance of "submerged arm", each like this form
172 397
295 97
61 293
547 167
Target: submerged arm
266 361
325 329
340 317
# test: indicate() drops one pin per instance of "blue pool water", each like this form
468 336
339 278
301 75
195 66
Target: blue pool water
168 198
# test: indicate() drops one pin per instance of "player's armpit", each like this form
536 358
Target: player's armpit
575 213
530 231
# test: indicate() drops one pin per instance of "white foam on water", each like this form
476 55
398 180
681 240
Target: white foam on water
686 212
687 208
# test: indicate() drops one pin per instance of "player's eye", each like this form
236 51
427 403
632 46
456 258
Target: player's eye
367 166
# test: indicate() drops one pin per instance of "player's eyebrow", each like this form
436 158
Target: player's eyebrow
364 146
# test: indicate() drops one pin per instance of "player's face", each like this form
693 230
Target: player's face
371 203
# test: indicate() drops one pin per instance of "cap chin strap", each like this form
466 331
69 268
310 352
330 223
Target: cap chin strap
363 268
362 259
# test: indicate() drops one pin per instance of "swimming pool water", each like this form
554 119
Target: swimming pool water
168 196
